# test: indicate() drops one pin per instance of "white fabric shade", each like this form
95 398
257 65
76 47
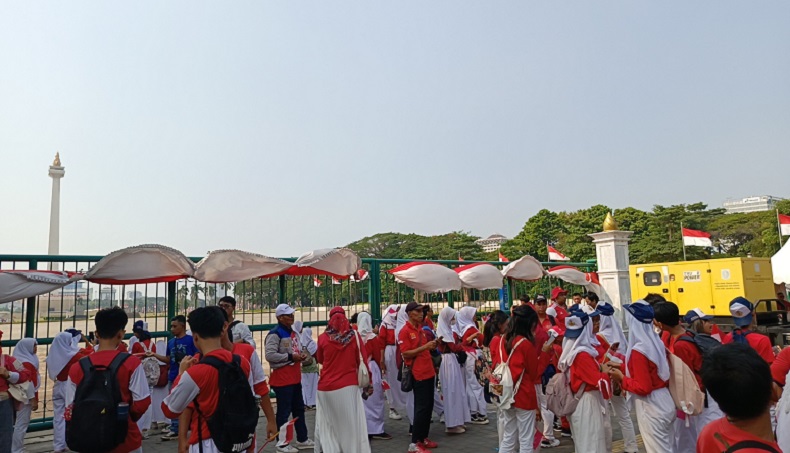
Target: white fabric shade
574 276
222 266
340 263
524 268
17 285
480 276
427 277
780 263
141 264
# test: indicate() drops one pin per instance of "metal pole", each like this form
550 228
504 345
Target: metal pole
171 302
281 294
683 241
779 226
30 314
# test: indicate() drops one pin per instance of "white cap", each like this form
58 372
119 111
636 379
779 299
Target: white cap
283 309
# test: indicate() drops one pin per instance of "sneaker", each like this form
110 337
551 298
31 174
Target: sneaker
456 430
428 443
566 432
549 443
166 429
417 448
441 418
146 434
557 425
287 449
394 415
382 436
478 419
306 445
170 436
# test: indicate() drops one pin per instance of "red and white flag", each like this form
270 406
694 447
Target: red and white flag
784 224
555 255
502 258
715 332
385 385
696 238
287 433
360 275
317 282
335 281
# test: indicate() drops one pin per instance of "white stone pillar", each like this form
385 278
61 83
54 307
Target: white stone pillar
611 248
56 172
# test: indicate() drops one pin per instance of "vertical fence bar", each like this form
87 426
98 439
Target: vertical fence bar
374 288
281 294
171 302
30 315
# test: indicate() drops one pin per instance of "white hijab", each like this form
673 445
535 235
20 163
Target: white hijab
62 350
305 337
466 319
444 328
390 318
403 318
572 347
611 330
365 326
642 338
23 351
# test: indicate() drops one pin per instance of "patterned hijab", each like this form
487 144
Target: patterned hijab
339 329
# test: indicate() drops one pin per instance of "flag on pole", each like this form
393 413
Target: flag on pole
460 258
502 258
784 224
385 385
317 282
287 433
336 281
696 238
555 255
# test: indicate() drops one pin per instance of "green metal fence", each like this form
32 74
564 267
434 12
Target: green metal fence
45 316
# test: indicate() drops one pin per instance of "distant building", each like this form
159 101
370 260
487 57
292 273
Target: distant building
492 243
134 295
751 204
107 294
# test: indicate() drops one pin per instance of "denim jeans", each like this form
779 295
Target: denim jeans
291 403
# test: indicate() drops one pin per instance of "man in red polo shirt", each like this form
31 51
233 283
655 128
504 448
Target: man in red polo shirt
415 349
558 298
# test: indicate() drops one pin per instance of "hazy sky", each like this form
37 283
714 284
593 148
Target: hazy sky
280 127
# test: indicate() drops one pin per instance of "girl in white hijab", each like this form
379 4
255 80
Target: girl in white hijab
62 350
471 338
25 352
375 410
309 372
451 375
395 398
646 379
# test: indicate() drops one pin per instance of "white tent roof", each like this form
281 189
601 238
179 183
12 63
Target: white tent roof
480 276
17 285
221 266
428 277
781 264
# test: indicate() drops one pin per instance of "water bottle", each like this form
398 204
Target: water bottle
122 411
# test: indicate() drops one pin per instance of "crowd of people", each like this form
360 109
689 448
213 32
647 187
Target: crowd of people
551 368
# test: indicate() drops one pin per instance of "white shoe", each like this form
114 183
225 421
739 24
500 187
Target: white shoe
394 415
549 443
287 449
306 445
441 419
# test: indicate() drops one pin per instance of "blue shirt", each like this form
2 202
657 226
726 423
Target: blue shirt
177 349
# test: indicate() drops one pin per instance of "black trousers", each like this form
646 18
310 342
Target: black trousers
423 407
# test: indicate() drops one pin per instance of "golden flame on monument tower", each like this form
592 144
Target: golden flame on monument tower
56 162
609 223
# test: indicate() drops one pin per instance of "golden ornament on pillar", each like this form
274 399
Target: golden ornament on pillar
56 162
609 224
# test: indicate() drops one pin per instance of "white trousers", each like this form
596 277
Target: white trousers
623 415
309 388
20 428
375 410
655 414
456 407
783 421
518 429
58 420
545 413
158 394
340 422
474 391
145 421
396 398
588 425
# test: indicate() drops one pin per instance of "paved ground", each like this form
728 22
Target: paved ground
477 439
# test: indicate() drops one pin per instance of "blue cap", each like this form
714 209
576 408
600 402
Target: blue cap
640 310
695 315
74 332
138 325
605 309
574 324
741 310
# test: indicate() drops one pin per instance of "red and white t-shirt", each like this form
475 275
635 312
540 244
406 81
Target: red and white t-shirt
200 382
134 391
720 435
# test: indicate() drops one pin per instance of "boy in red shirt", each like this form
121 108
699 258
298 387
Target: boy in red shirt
743 316
740 381
110 324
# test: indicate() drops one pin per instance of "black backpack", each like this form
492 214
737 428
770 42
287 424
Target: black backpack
704 342
232 425
95 426
230 329
751 444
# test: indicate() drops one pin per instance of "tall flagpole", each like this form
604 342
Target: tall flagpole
683 241
779 226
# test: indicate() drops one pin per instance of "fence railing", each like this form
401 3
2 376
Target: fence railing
73 306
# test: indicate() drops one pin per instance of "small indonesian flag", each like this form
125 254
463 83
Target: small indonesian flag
360 275
715 332
696 238
286 433
555 255
502 258
317 282
335 281
784 224
460 258
385 385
